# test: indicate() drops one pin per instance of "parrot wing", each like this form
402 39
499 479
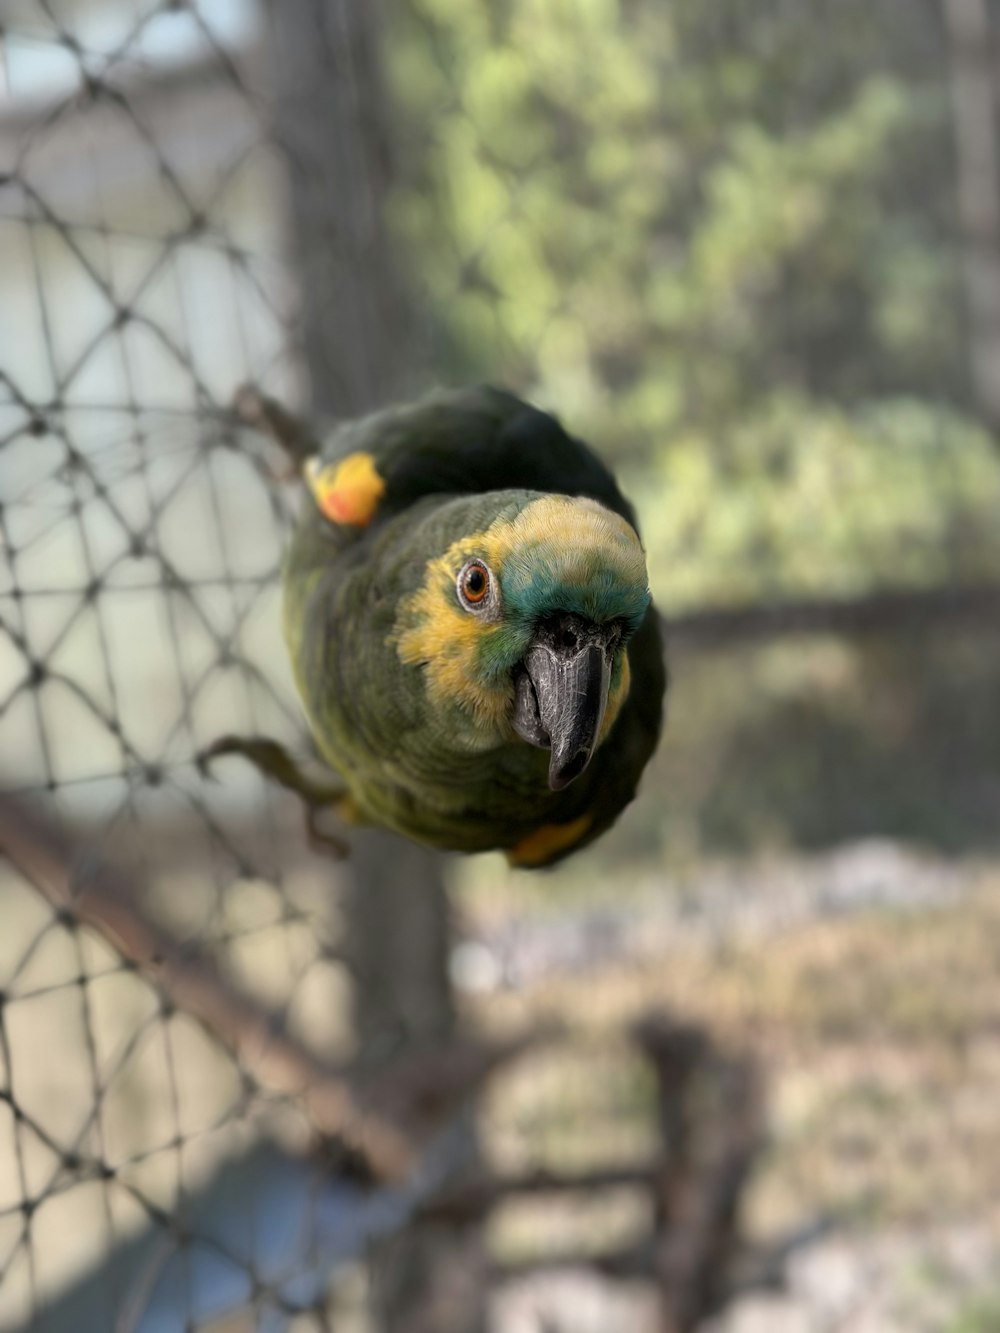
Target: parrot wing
461 442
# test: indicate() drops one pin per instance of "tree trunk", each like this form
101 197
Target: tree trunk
334 127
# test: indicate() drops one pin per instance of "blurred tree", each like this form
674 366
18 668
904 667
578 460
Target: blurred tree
357 348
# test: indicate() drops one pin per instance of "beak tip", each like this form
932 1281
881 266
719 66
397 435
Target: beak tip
563 772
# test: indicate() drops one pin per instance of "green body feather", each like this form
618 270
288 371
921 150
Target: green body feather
427 764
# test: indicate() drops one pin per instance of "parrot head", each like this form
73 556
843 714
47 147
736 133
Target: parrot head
520 627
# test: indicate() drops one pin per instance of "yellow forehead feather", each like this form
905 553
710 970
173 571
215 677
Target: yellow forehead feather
571 527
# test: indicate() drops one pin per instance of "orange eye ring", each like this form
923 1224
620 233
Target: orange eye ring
474 584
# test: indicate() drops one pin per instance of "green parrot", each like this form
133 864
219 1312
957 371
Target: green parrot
467 611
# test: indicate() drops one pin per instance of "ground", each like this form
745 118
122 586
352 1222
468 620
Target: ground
866 983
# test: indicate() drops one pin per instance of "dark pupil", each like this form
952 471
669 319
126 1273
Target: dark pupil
475 582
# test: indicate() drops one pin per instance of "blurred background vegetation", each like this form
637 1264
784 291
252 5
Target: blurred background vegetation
725 242
726 249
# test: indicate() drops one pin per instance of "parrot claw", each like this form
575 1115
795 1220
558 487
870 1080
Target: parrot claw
203 759
251 748
266 415
273 761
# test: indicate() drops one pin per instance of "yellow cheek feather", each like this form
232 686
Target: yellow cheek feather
447 640
347 491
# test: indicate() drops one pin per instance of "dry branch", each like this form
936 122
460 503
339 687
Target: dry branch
479 1195
266 415
888 611
714 1141
385 1123
93 893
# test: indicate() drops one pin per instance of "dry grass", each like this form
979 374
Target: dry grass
879 1034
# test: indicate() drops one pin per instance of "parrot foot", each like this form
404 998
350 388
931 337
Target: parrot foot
266 415
271 759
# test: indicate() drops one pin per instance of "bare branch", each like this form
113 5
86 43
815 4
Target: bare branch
888 610
266 415
93 893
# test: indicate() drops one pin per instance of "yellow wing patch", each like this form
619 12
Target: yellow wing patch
545 842
347 491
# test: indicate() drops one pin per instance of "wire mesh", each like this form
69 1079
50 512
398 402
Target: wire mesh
140 243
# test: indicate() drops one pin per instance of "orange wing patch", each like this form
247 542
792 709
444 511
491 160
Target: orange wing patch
347 491
545 842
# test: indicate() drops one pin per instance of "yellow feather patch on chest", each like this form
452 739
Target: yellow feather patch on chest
545 842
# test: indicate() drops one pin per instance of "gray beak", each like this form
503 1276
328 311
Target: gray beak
561 693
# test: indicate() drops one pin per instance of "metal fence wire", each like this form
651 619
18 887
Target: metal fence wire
143 278
180 938
207 1122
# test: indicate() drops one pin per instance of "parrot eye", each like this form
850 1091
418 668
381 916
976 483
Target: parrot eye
474 583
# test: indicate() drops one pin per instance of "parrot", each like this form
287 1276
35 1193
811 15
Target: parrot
468 617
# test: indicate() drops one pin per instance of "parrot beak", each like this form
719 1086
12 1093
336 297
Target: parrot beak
561 692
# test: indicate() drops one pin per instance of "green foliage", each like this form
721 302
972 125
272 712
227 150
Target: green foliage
720 248
811 498
979 1314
